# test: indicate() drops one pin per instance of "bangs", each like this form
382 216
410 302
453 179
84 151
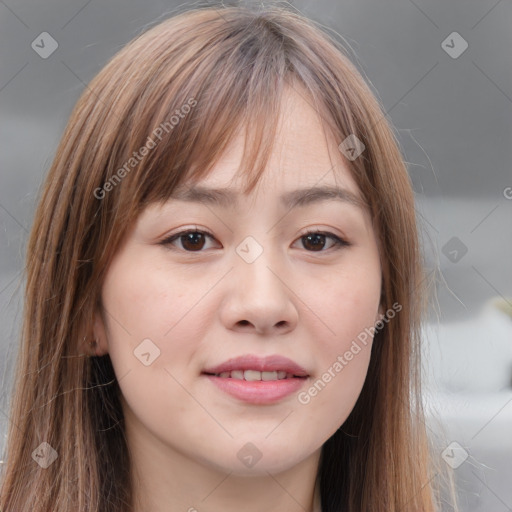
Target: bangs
190 100
229 88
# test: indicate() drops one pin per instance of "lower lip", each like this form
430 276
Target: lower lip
259 391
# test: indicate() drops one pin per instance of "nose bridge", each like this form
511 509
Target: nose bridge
259 295
257 263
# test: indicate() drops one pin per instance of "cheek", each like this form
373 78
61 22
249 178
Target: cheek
348 304
154 324
143 302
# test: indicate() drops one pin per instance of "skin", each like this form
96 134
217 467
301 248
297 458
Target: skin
202 308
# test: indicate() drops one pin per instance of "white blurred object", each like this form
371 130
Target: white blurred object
471 356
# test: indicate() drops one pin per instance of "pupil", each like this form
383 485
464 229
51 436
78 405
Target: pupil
316 238
191 237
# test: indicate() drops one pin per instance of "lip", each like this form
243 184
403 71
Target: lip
258 392
262 364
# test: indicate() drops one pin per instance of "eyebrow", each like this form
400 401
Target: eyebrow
225 197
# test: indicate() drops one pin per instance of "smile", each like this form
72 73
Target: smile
255 375
258 380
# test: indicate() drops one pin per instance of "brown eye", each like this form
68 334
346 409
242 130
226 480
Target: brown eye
315 241
191 240
194 240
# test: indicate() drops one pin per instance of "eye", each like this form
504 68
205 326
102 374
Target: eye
193 240
316 240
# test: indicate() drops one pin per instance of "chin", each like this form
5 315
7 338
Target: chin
250 460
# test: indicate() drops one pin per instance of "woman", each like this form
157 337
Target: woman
223 286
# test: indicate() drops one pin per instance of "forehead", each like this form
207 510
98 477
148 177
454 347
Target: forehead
304 154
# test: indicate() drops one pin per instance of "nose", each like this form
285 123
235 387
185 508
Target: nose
259 298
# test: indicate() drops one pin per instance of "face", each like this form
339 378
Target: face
242 331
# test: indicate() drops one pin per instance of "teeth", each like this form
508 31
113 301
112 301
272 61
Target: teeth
254 375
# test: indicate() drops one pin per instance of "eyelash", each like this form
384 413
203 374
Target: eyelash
338 242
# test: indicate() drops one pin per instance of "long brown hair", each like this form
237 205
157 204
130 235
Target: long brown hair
229 66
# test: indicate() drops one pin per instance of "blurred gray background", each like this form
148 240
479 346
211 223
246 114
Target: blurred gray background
442 71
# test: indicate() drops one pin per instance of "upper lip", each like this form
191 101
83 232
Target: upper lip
263 364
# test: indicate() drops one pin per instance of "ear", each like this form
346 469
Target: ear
380 314
99 347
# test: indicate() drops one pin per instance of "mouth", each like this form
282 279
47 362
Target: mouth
256 375
252 367
257 380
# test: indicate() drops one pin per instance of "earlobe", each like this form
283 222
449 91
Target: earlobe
380 314
99 345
